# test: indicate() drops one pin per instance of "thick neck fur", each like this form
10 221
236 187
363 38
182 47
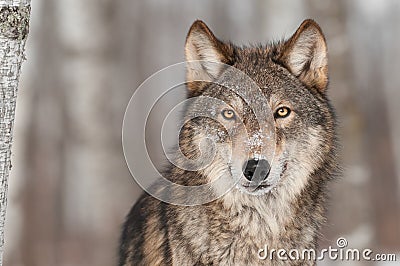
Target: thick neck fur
238 224
277 212
285 216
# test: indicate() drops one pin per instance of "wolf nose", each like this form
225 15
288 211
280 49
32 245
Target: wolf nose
256 170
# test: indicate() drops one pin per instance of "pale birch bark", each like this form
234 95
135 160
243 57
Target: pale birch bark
14 24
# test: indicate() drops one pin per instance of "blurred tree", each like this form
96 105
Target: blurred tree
73 157
374 73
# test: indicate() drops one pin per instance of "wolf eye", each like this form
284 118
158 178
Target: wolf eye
282 112
228 114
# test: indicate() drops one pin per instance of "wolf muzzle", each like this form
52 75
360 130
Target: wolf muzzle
256 170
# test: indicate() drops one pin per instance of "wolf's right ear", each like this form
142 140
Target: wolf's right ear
204 54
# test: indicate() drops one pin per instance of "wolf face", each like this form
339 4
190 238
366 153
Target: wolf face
292 77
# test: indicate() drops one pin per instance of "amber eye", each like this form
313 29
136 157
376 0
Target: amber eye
228 114
282 112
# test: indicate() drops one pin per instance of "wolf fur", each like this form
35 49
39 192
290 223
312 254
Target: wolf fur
231 230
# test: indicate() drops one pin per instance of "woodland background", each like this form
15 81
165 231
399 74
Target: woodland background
70 188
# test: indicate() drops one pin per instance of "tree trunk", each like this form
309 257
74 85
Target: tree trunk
14 25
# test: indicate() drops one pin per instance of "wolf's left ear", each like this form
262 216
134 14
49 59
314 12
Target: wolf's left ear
305 55
204 53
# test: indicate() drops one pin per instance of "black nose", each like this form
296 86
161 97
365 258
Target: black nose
256 170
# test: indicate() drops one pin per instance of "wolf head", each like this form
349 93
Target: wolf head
292 77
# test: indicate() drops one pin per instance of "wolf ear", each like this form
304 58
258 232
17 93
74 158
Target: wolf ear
201 44
305 55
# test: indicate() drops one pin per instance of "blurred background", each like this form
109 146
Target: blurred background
70 187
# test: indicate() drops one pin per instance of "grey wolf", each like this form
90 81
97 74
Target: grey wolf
287 207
